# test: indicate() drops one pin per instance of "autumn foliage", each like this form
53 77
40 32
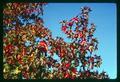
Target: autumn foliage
28 46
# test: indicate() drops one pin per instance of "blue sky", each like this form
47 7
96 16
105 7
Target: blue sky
103 15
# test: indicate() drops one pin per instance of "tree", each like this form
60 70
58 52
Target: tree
21 45
28 47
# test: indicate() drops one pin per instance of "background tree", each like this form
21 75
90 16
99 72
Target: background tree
28 47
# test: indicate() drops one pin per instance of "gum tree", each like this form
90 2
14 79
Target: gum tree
29 49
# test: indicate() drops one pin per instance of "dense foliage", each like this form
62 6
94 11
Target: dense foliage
28 46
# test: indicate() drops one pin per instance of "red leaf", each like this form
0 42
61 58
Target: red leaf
70 23
64 28
74 70
75 19
80 34
43 45
67 65
67 75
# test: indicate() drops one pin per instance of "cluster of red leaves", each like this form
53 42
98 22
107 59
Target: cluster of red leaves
25 58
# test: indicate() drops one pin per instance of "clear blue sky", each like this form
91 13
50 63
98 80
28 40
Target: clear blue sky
103 15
